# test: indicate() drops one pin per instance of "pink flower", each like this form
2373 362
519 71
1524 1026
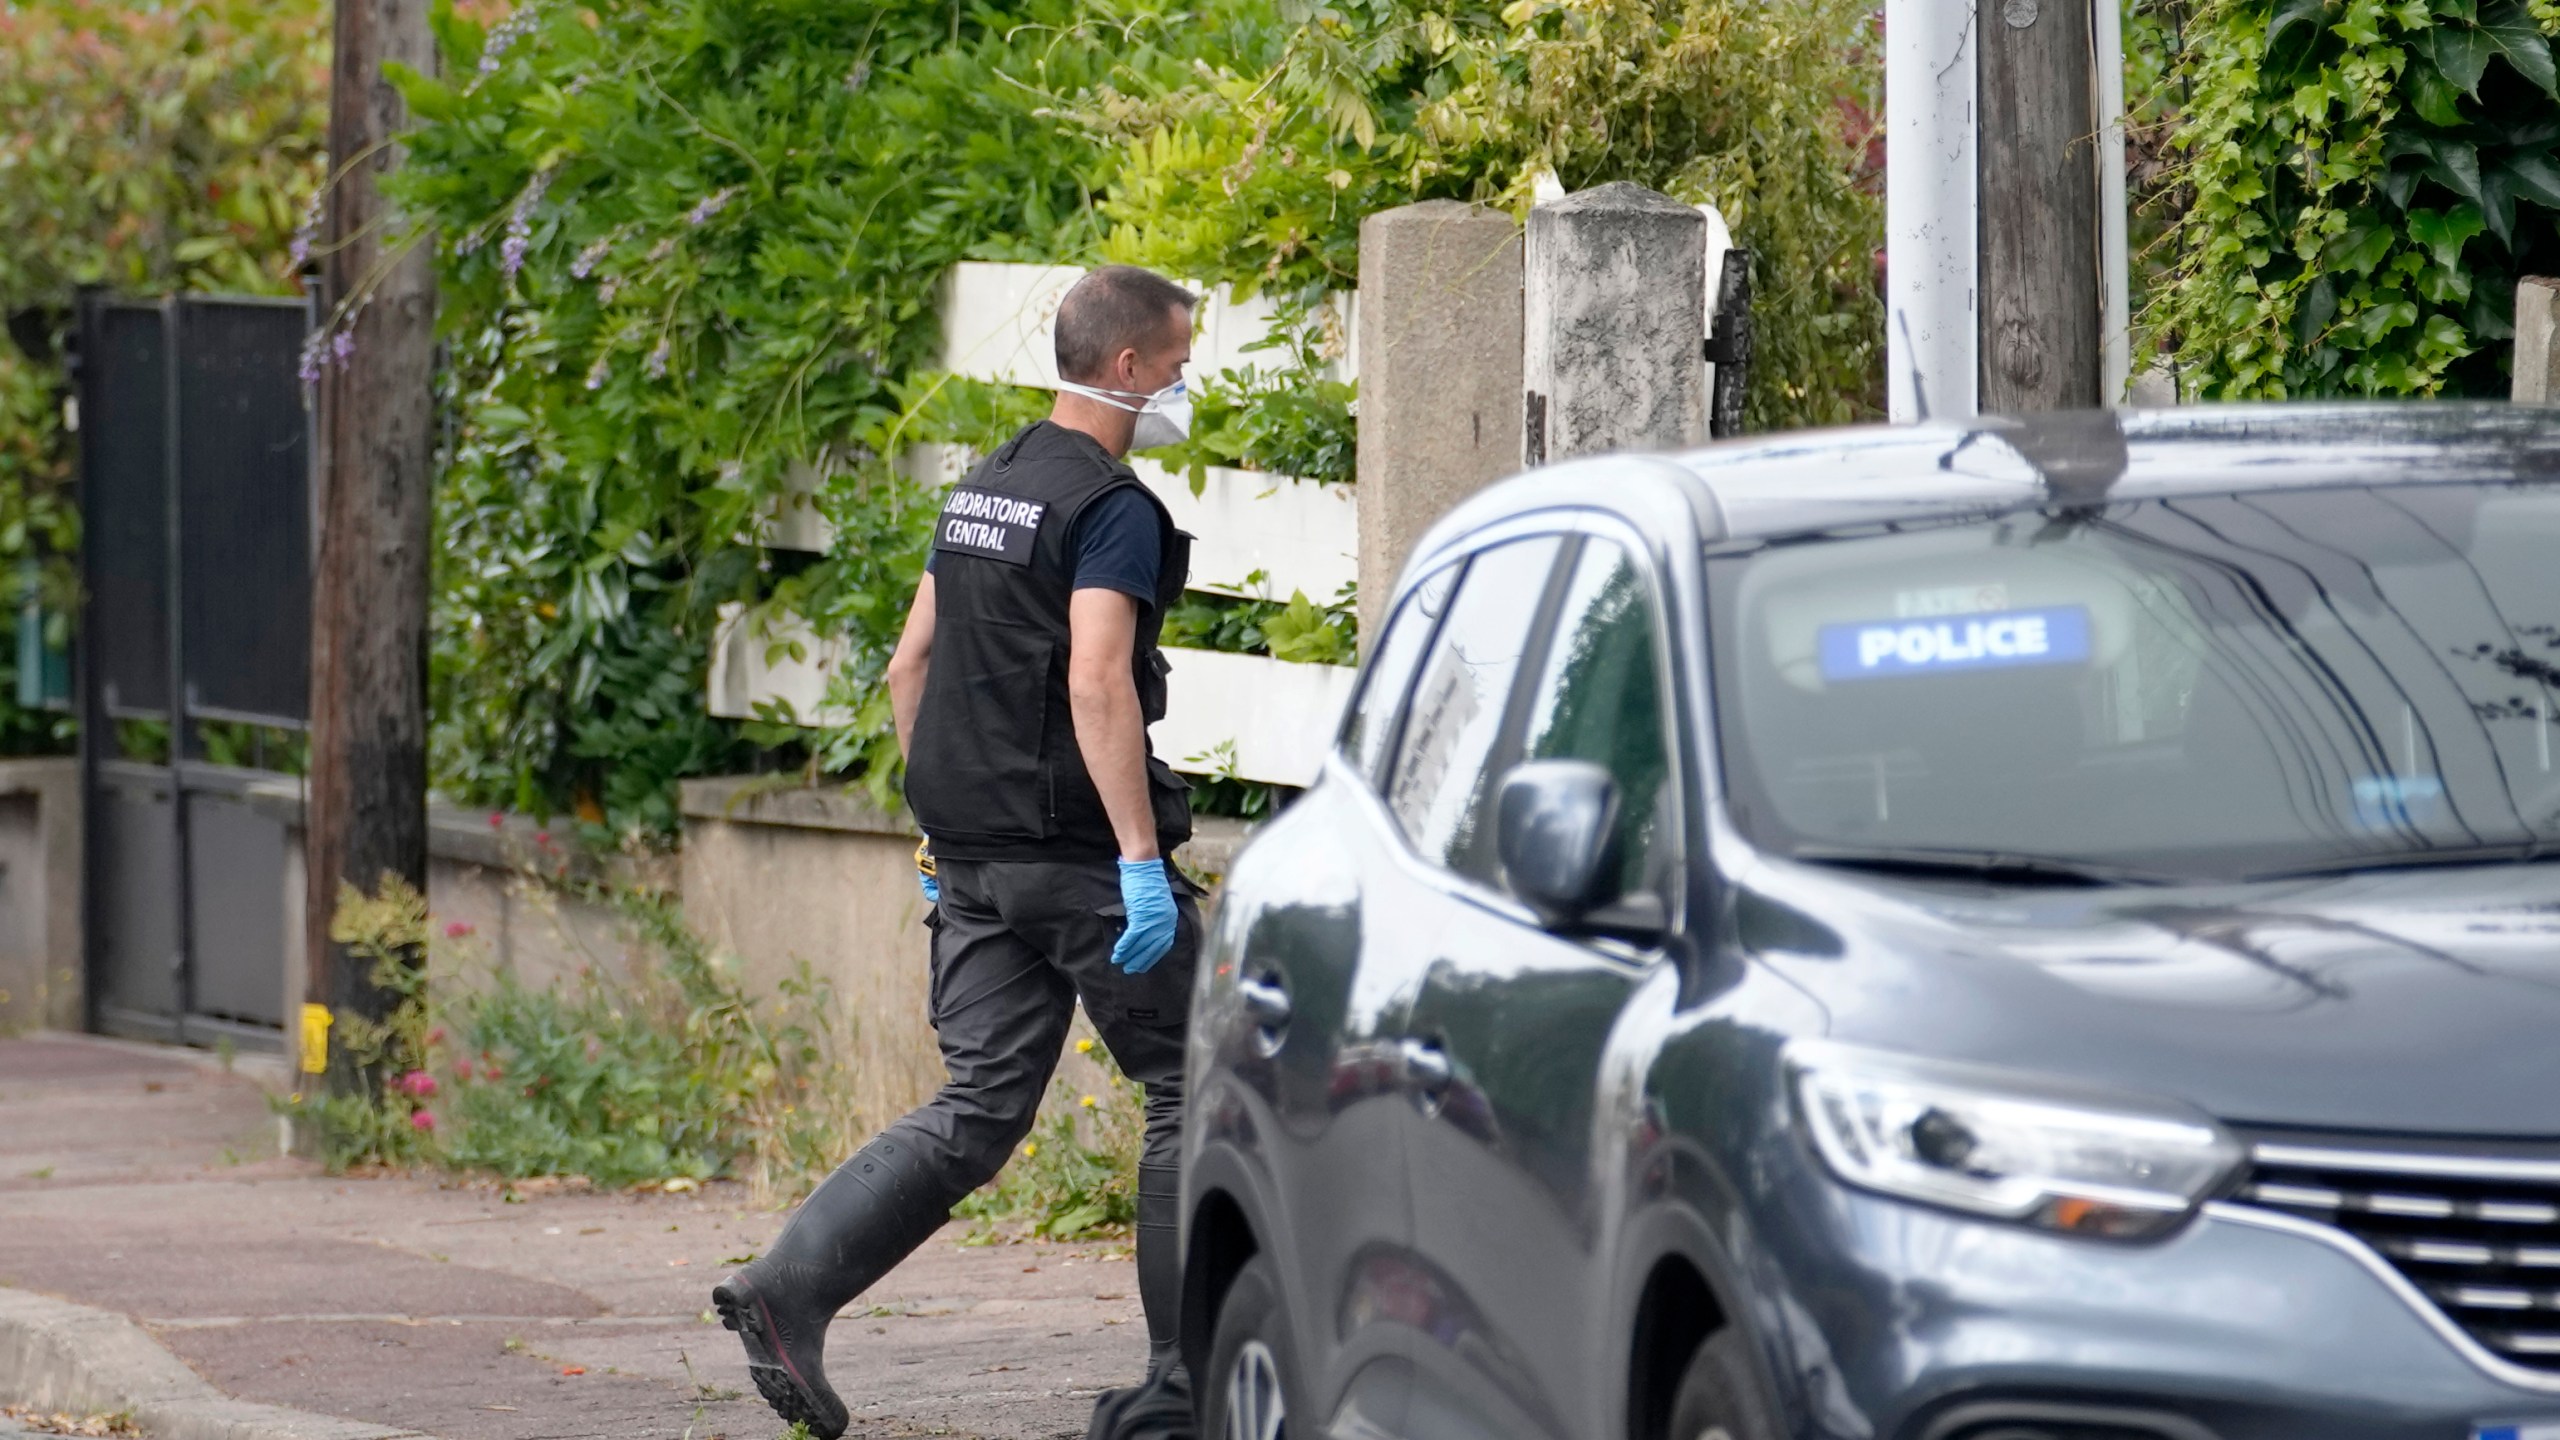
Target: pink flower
497 819
542 838
462 1071
418 1083
436 1036
423 1121
457 929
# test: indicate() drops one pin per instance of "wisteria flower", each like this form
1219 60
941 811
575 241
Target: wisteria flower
710 205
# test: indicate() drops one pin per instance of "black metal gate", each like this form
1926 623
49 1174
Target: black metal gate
195 485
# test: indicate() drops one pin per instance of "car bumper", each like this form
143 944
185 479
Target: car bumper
2242 1325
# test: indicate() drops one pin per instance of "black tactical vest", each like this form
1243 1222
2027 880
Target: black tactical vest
993 770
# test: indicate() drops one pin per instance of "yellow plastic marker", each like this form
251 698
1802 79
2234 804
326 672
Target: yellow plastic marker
315 1039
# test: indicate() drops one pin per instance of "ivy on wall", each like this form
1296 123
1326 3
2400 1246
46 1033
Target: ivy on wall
2363 181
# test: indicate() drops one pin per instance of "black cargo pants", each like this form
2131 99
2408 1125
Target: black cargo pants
1015 944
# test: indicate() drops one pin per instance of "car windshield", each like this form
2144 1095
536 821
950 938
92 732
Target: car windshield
2209 686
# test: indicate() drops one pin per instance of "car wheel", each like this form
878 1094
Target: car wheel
1719 1399
1251 1390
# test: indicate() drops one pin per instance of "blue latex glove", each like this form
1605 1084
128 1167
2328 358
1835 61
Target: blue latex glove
1147 894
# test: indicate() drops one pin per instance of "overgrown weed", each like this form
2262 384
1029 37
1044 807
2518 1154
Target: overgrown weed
660 1069
1076 1178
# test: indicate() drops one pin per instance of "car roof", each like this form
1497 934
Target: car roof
1830 479
1806 481
1812 480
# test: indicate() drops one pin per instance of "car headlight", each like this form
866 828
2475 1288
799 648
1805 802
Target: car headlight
2044 1152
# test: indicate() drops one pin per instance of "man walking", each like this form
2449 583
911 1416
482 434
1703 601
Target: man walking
1023 685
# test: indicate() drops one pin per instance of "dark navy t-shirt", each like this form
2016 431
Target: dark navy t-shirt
1118 546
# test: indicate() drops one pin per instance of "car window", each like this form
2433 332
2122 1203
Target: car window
1441 786
1370 723
1600 698
2214 686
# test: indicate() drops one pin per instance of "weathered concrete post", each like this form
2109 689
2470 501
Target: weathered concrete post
2537 373
1614 325
1439 375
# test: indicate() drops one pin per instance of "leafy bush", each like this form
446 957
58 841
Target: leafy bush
148 148
669 1071
1261 172
687 247
1077 1176
2366 180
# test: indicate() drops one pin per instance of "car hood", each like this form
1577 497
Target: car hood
2413 1001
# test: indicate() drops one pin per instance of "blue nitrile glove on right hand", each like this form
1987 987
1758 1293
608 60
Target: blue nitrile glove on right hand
1146 892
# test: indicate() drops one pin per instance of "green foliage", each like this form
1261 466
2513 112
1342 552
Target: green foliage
688 246
1077 1176
148 148
2368 179
1296 629
690 249
1261 171
663 1070
382 1117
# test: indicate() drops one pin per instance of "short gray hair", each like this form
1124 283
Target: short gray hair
1115 308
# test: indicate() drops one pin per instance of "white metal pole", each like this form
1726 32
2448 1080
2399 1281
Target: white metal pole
1932 250
2115 358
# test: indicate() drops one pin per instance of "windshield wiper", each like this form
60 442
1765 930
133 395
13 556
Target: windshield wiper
2523 854
1991 865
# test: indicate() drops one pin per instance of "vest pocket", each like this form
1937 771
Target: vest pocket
977 763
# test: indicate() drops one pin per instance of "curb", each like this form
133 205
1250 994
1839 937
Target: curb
58 1356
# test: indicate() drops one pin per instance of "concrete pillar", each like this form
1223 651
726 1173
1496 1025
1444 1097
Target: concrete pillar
1614 325
2537 367
1439 337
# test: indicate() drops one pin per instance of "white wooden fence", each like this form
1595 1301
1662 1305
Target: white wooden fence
1254 534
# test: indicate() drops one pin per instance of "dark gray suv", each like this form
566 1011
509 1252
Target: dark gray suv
2023 930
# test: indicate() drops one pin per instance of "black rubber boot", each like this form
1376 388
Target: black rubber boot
1160 1263
869 1215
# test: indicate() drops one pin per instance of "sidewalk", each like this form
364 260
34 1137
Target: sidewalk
146 1182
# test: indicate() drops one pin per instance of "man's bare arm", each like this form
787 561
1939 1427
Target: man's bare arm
1102 637
907 666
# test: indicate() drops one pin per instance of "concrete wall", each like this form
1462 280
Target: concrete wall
785 882
782 878
817 878
485 877
41 967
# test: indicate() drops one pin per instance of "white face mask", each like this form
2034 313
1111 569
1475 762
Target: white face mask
1164 418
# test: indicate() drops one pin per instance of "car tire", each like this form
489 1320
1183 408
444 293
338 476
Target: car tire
1252 1388
1719 1397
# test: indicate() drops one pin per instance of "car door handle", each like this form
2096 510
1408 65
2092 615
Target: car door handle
1426 1065
1266 1000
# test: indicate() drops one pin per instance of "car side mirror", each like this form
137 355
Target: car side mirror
1556 825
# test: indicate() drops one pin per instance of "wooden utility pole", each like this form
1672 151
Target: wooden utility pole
2005 285
2041 339
375 476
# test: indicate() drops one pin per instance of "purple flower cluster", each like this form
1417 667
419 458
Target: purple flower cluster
327 347
589 258
511 251
309 230
508 32
710 205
